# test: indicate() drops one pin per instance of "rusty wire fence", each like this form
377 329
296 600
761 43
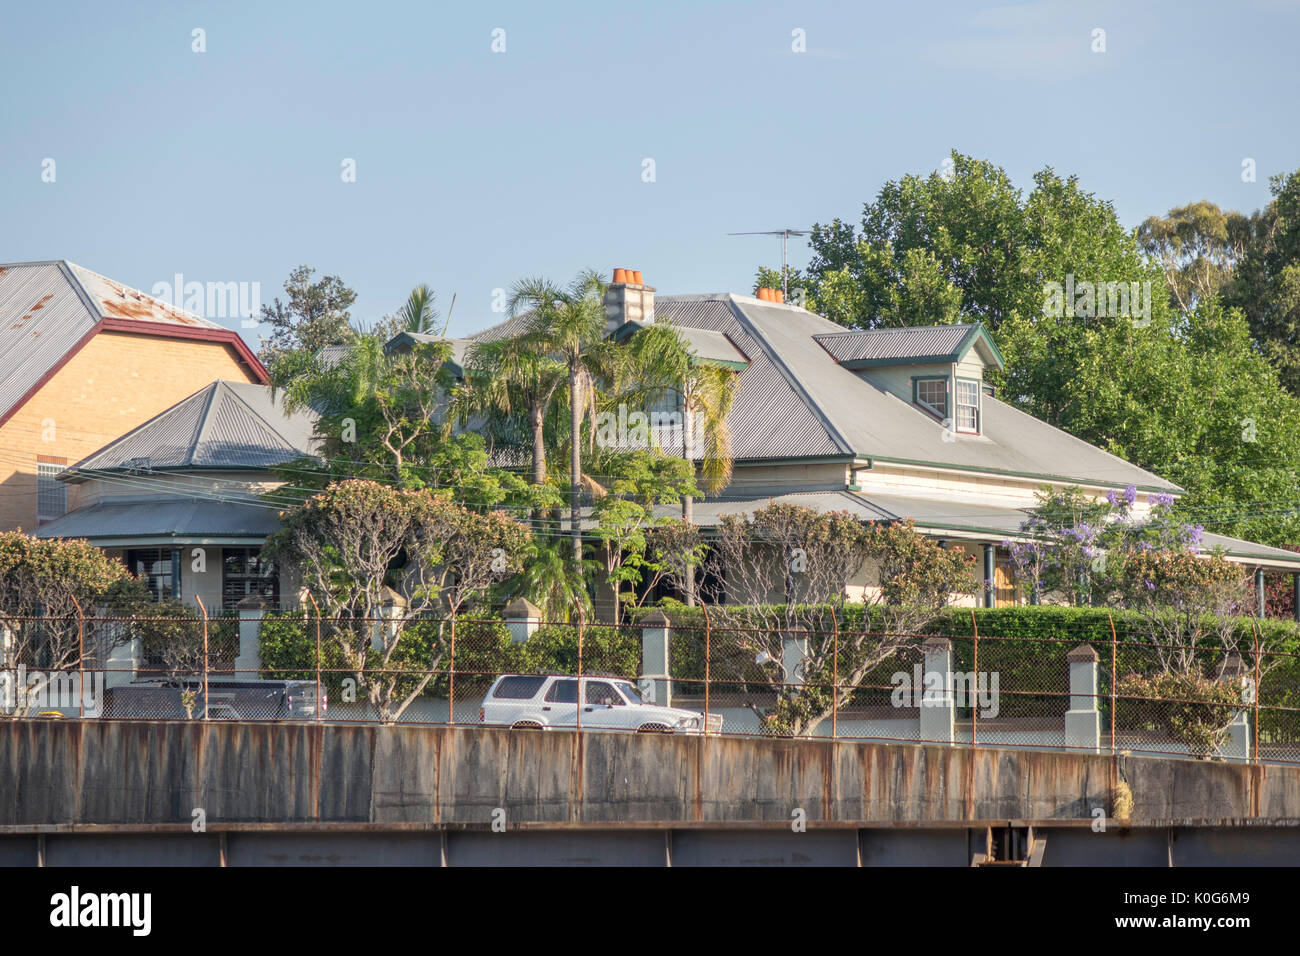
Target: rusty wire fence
1124 694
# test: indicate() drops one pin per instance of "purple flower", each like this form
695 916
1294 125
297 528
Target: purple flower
1150 585
1163 500
1112 498
1131 494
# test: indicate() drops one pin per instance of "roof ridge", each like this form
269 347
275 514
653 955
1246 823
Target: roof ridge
791 379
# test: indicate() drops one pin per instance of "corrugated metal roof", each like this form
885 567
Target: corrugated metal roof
225 425
711 346
163 516
934 342
114 300
47 308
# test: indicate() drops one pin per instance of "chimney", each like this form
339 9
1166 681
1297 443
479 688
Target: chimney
772 295
628 299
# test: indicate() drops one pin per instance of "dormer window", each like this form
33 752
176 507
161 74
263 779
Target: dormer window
968 405
932 395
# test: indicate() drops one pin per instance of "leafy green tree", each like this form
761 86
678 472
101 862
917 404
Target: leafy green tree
315 315
1266 283
1197 245
641 480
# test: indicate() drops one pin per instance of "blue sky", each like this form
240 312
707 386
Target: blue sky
476 168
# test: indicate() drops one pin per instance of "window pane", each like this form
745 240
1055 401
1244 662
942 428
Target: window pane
968 398
563 692
598 692
933 393
51 494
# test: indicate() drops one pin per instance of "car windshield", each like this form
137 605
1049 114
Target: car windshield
630 692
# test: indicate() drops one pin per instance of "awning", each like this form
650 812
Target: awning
117 522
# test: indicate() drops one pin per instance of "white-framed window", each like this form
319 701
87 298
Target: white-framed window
968 405
51 494
932 395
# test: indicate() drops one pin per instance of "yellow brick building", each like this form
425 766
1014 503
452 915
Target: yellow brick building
83 360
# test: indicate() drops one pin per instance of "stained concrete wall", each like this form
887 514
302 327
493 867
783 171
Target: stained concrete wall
118 772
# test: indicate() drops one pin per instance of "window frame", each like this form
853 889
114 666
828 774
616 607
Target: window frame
958 405
49 482
917 380
249 554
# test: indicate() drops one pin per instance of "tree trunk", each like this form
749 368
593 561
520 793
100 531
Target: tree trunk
688 503
575 464
537 421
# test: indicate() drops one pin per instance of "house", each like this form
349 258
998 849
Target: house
84 359
886 424
178 498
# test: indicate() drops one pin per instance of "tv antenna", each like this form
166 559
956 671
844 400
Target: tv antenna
785 235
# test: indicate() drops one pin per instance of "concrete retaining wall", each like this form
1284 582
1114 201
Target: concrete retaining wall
117 772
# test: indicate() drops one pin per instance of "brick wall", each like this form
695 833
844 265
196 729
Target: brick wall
118 381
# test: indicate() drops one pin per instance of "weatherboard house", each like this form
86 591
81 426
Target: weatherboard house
886 424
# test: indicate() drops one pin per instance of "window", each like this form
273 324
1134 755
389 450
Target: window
968 405
598 692
563 692
51 494
932 395
243 573
160 569
518 688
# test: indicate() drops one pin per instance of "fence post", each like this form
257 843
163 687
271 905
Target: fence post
835 673
316 607
81 660
656 638
936 702
1256 689
1083 719
577 713
204 611
975 664
249 658
668 669
451 677
1114 643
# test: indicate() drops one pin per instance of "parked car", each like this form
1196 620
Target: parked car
543 702
161 698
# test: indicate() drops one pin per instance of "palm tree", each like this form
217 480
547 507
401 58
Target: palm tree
507 381
707 391
417 314
568 324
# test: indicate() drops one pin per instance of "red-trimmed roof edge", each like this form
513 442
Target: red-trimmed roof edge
142 327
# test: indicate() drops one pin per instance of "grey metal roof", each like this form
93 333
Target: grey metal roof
46 308
459 347
164 516
934 342
939 515
845 415
226 425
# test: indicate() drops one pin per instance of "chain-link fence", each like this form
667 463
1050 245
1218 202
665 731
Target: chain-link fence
1125 694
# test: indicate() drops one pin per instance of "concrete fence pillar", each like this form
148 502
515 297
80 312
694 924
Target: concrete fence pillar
938 712
1083 719
391 607
248 663
794 651
1237 745
656 638
522 618
123 663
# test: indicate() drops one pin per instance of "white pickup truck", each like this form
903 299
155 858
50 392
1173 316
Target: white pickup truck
543 702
